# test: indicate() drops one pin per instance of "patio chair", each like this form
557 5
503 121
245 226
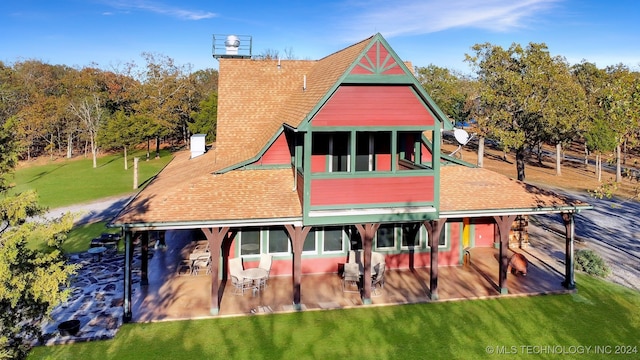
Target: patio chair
184 268
240 285
236 267
265 264
202 263
351 278
377 283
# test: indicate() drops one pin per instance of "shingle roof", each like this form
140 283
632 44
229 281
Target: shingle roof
477 189
256 97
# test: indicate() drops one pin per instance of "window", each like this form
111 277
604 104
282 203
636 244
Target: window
354 238
310 242
278 241
385 237
250 241
339 150
443 236
373 151
332 239
411 235
364 151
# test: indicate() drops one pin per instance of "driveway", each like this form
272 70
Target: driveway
612 230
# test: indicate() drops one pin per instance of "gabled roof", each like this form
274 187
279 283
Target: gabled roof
256 97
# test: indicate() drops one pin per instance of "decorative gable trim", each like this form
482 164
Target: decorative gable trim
377 60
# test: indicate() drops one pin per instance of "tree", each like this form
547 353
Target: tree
91 115
160 95
205 119
30 280
123 131
517 94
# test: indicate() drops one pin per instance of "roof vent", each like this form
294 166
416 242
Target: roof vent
232 46
197 145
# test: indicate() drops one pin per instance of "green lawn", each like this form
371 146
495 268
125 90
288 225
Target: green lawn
67 182
600 315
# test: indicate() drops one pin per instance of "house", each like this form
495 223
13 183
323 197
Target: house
317 158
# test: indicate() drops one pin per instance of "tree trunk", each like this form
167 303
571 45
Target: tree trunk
520 157
558 159
69 146
94 152
126 166
481 151
598 167
157 147
586 154
148 147
618 165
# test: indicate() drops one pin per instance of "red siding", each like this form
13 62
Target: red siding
318 163
371 190
278 153
426 154
383 162
374 106
484 234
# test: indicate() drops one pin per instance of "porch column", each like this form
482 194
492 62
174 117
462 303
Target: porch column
298 235
367 232
504 225
434 229
569 224
128 252
215 236
144 260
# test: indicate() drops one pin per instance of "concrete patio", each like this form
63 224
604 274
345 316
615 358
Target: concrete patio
171 297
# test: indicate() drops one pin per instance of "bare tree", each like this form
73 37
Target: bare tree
91 115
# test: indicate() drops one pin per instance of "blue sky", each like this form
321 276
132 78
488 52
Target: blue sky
113 32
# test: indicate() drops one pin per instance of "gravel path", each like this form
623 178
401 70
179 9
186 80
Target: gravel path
611 230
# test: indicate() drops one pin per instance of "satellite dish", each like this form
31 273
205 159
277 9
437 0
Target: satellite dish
462 137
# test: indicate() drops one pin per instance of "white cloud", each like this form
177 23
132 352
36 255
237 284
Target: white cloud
160 8
415 17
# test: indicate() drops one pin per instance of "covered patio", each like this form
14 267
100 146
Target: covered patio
169 296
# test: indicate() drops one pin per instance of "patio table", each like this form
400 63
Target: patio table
255 274
97 252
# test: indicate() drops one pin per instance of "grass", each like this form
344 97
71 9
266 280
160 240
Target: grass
66 182
78 239
600 314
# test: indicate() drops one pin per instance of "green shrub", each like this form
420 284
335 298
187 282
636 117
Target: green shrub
591 263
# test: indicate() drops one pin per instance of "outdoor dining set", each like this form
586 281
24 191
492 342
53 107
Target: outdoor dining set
354 269
106 242
251 279
196 259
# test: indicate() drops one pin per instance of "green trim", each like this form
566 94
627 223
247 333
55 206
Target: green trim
266 167
514 211
255 158
450 159
393 79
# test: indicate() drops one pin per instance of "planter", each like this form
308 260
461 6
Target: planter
69 327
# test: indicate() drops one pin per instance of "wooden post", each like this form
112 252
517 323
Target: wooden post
135 172
128 252
298 235
569 281
504 225
215 237
367 233
144 264
434 228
